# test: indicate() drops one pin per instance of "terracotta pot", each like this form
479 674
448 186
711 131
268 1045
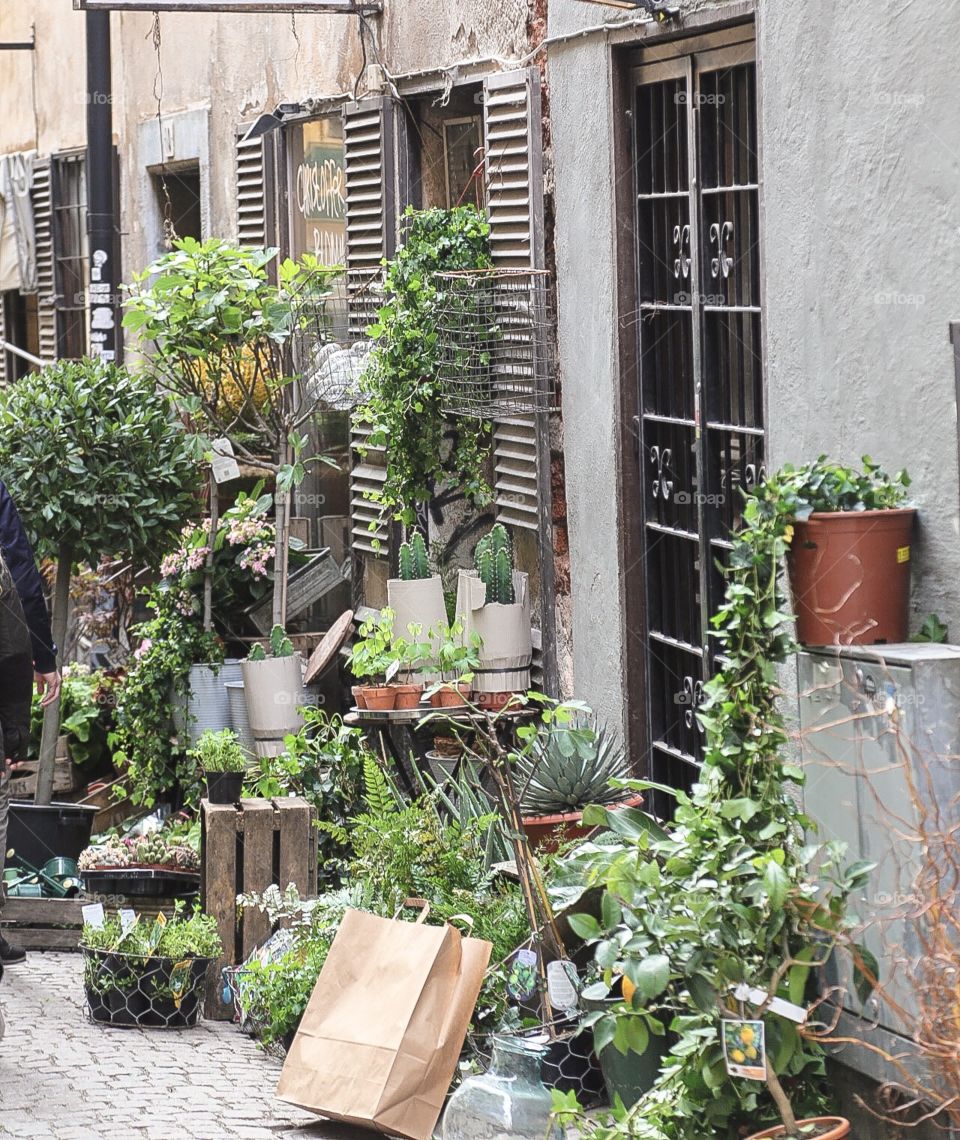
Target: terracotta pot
835 1128
407 696
494 702
379 697
451 696
359 699
547 832
850 577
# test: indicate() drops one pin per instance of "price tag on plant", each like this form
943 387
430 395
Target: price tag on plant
223 464
744 1049
522 979
93 915
563 985
128 919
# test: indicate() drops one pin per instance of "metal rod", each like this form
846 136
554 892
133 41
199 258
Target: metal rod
27 46
101 223
6 346
344 7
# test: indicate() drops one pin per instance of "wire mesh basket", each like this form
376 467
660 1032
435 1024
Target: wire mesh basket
495 334
137 990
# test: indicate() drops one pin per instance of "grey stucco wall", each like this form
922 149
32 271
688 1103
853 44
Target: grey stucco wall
861 251
580 80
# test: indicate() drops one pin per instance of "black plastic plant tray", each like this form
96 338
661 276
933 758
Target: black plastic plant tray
142 882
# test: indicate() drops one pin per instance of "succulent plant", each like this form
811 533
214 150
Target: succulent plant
414 564
493 559
569 766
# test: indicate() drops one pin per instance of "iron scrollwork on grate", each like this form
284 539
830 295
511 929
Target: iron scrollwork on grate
495 335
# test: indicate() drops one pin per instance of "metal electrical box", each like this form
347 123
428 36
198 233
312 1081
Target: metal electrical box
880 748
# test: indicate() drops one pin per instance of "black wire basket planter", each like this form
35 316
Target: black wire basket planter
143 991
495 342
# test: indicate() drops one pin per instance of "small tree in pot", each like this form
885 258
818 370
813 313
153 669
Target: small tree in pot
273 692
98 464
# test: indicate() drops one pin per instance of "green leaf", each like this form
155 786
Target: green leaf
866 972
776 884
585 926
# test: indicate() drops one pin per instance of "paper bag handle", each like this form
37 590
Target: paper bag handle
466 919
424 909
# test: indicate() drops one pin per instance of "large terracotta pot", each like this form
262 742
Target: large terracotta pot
836 1128
850 577
546 833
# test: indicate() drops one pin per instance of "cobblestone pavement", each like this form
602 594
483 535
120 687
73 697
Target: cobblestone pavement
64 1078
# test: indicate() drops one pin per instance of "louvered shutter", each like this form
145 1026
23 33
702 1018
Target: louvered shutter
255 191
3 350
511 117
368 139
42 197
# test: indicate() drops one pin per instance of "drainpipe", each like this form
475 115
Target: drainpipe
101 221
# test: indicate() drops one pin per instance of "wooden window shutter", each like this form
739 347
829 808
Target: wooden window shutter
514 177
3 349
42 197
255 191
369 163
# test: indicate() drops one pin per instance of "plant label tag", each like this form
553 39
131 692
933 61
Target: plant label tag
522 979
744 1049
777 1005
128 919
562 985
223 464
392 670
93 915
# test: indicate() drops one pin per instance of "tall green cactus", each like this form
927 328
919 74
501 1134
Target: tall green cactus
414 564
494 562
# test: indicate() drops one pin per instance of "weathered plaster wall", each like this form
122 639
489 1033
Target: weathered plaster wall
861 251
55 71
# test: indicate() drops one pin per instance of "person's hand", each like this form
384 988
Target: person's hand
48 686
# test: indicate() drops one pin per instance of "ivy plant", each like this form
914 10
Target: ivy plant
731 892
403 398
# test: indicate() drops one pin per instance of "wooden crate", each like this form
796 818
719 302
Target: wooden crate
246 848
55 924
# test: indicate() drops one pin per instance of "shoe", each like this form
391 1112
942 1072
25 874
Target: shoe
11 955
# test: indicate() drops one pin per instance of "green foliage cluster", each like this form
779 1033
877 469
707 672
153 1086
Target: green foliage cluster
144 739
402 390
193 936
414 564
568 766
323 763
219 751
96 460
731 891
87 699
493 558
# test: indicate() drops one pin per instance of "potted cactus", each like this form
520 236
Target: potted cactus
494 599
416 597
565 768
273 691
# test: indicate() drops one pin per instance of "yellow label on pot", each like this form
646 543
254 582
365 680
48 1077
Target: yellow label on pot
903 553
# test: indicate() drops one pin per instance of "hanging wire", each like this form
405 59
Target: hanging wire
169 228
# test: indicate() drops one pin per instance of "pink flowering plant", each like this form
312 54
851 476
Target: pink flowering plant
244 552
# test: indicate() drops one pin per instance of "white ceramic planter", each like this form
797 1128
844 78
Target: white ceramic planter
273 691
507 648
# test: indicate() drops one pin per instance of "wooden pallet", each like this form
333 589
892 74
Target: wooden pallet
246 848
55 924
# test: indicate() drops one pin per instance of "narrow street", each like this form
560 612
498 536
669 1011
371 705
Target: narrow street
65 1078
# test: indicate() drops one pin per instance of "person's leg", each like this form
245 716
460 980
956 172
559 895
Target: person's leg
9 955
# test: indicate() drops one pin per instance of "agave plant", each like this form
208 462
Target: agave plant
569 766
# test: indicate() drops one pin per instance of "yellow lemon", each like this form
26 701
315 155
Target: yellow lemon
628 989
738 1055
746 1035
751 1053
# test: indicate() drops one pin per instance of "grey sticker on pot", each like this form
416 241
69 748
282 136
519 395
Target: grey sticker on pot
392 670
563 985
522 979
93 915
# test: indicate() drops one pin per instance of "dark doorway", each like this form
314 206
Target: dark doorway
178 199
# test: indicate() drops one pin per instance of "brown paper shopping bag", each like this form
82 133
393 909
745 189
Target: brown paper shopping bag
380 1038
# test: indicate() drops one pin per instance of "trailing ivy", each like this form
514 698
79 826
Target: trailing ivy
403 396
